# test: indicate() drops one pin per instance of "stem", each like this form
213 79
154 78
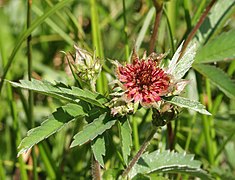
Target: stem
140 152
30 100
158 8
194 30
95 169
170 136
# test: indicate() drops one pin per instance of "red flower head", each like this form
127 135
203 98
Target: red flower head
143 80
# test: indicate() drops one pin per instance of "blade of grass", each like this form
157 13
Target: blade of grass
125 32
144 28
171 11
55 27
27 32
199 11
2 172
187 14
48 162
12 103
31 122
170 33
97 45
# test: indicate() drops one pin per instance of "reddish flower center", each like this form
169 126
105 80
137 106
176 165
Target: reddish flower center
144 81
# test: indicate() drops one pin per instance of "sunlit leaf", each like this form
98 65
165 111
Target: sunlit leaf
221 48
168 162
185 63
218 77
187 103
54 123
93 129
62 92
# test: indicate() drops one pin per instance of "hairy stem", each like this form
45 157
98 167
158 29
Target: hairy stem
140 152
95 169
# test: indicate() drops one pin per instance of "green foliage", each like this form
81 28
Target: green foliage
218 77
26 33
167 161
93 129
214 21
187 103
221 48
61 117
98 25
61 91
126 139
98 148
185 62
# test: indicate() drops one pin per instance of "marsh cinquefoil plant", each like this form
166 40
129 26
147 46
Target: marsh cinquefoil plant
146 82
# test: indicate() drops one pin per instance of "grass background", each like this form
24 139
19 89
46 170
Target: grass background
113 28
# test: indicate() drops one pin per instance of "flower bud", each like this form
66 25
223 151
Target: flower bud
87 66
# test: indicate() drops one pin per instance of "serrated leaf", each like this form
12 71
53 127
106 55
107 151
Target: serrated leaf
218 13
98 149
221 48
218 77
185 63
43 87
167 161
61 92
53 124
93 98
126 139
93 129
187 103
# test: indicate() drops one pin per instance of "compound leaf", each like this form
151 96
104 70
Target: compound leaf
93 129
62 116
187 103
168 162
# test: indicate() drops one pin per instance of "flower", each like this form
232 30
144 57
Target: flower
144 80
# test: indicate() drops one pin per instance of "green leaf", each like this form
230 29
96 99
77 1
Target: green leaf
217 16
221 48
185 62
218 77
126 139
93 129
98 149
62 92
187 103
88 96
43 87
54 123
167 162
